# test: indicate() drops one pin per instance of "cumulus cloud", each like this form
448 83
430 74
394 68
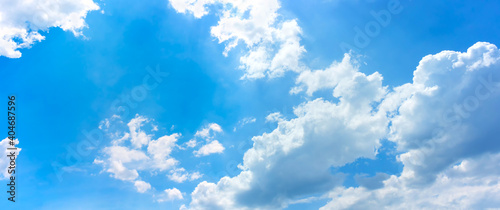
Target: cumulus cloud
273 43
135 151
118 156
161 148
180 175
449 111
209 148
446 115
4 160
443 124
312 81
191 143
209 131
138 137
274 117
170 195
142 186
294 160
21 21
473 184
196 7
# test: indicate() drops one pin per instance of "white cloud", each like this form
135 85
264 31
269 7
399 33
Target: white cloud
209 131
135 151
118 156
328 78
445 126
273 44
449 111
139 137
474 184
170 195
209 148
218 196
180 175
196 7
124 154
162 147
212 146
4 160
191 143
280 168
244 121
21 21
274 117
142 186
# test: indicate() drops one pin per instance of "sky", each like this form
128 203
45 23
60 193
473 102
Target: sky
263 104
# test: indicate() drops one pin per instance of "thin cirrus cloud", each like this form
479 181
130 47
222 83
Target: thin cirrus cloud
23 20
243 122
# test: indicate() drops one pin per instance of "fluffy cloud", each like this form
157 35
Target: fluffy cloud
449 111
142 186
118 156
21 21
443 124
138 137
170 195
280 167
180 175
209 131
191 143
473 184
328 78
445 116
446 128
273 44
196 7
274 117
135 151
209 148
212 146
4 160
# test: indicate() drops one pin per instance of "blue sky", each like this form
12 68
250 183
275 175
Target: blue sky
254 103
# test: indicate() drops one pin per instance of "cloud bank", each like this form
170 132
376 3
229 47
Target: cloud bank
444 123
